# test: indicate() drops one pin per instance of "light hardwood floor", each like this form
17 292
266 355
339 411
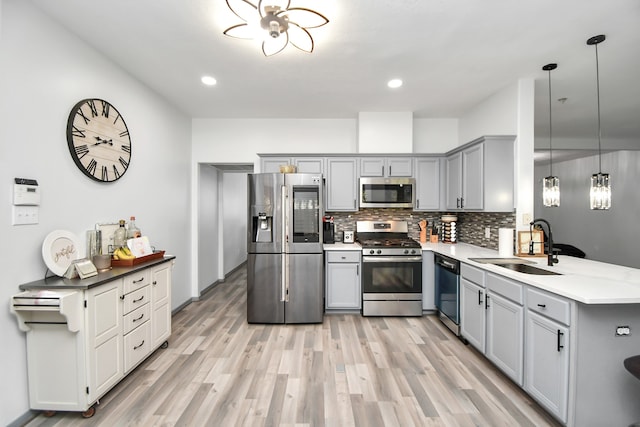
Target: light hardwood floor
348 371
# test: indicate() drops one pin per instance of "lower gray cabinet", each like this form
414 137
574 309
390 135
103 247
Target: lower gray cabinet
428 282
343 280
505 335
547 352
472 313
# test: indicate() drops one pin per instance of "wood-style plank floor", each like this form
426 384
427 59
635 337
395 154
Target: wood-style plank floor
348 371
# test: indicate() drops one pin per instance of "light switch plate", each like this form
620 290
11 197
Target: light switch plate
24 215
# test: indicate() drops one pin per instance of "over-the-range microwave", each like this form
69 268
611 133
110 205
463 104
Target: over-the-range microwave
378 192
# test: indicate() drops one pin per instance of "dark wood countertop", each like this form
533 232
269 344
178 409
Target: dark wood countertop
57 283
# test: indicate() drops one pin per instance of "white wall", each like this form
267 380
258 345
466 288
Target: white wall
435 136
235 220
208 234
497 115
45 71
610 236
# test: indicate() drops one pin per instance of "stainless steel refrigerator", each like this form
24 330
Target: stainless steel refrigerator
284 245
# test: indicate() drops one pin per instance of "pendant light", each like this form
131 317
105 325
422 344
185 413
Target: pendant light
551 185
600 194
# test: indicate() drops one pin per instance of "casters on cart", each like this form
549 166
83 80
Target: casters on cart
48 414
89 412
165 344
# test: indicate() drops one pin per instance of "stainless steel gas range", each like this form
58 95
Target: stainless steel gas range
391 269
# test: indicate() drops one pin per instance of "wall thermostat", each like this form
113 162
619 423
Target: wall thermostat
26 192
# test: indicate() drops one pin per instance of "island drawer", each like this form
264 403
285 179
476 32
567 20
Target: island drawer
343 256
136 280
549 305
472 274
136 299
136 318
507 288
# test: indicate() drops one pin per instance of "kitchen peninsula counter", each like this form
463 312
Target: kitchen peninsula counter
582 280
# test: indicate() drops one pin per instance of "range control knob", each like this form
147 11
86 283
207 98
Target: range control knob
413 251
406 251
379 251
372 251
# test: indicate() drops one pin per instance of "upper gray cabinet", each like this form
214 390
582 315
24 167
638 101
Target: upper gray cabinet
341 184
480 175
427 173
272 164
386 166
309 164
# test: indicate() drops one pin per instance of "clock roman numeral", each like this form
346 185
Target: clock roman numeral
117 117
105 173
92 106
123 162
91 168
126 148
105 108
77 132
116 173
124 133
82 150
80 113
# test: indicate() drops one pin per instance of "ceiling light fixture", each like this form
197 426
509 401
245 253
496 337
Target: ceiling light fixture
394 83
208 81
275 23
551 186
600 194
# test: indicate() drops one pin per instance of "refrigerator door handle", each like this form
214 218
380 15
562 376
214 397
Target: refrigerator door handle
284 291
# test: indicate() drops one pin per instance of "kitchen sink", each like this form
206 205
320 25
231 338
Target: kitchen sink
501 260
527 269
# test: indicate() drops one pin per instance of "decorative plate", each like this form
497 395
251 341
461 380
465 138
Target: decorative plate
59 250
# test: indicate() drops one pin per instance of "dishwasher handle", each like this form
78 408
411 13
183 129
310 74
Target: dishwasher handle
447 264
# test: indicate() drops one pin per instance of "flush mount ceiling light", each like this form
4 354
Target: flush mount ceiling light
394 83
551 186
600 194
275 23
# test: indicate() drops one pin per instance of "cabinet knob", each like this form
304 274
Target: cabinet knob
154 282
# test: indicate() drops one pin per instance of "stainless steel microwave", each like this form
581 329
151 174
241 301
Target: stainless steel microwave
381 192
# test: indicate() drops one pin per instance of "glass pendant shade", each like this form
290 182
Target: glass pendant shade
551 191
600 194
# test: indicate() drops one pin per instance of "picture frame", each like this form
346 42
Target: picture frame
525 237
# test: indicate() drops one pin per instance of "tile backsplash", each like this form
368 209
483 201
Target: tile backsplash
471 225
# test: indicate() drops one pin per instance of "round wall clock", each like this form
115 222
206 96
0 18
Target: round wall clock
98 140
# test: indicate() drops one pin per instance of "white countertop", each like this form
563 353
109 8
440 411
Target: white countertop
582 280
339 246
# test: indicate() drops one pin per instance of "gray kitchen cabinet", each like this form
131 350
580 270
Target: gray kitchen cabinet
472 306
342 280
428 282
547 346
309 164
480 175
427 174
341 184
465 179
492 318
505 326
272 164
386 166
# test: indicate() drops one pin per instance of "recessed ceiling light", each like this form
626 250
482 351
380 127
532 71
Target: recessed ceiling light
208 80
394 83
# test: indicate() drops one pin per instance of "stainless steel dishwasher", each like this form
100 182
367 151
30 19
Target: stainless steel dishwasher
447 278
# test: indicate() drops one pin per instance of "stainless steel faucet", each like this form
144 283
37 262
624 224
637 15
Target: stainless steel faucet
551 259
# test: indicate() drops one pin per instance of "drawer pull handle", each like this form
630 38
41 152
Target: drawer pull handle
139 345
542 305
139 299
343 257
559 335
139 280
139 318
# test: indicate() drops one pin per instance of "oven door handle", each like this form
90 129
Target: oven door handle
391 259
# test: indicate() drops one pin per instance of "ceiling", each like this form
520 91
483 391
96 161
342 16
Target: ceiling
451 54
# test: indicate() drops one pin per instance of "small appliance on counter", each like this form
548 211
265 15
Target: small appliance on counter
328 230
348 236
